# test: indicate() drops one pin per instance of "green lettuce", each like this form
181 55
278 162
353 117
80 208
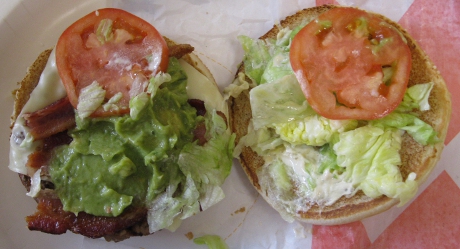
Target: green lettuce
104 31
262 141
422 132
280 101
257 56
212 241
313 130
90 98
370 156
403 118
267 60
416 97
205 168
281 105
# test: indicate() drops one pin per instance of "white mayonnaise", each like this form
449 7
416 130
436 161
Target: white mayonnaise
301 163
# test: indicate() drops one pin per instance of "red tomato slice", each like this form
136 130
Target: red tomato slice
351 64
115 48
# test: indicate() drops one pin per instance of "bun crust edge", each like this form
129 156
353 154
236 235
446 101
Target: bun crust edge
415 157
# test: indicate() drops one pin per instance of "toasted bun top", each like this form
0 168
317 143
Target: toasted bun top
415 157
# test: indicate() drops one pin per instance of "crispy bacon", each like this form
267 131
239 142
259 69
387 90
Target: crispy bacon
51 218
198 105
180 50
42 155
56 117
200 129
199 134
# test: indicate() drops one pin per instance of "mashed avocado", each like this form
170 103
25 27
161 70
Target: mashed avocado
116 162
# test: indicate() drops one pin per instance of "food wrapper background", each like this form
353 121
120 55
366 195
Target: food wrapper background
243 219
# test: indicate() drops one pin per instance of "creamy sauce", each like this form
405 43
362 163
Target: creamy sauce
300 170
323 189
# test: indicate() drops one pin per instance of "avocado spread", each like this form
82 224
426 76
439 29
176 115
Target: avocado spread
149 154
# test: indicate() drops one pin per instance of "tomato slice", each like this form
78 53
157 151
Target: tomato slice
351 64
117 49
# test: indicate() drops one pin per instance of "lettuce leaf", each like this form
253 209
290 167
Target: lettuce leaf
416 97
371 158
90 98
280 101
205 168
267 60
256 57
212 241
422 132
313 130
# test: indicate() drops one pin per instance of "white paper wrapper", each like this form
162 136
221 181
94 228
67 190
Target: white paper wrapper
243 219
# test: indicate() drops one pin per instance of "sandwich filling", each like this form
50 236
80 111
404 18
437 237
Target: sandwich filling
313 160
169 154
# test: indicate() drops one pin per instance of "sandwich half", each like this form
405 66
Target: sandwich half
136 167
332 171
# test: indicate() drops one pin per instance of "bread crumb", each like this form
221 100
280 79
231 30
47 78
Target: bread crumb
189 235
241 210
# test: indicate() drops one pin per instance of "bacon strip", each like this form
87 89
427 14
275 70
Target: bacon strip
180 50
55 118
200 129
51 218
42 155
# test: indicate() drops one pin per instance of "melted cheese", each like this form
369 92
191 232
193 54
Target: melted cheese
200 87
48 90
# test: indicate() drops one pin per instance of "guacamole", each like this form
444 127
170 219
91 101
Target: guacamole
146 158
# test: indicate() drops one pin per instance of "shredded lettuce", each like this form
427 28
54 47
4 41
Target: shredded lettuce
137 104
205 167
278 102
371 158
313 130
111 103
277 67
90 98
238 85
157 81
267 60
257 56
211 241
422 132
104 31
296 177
416 97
